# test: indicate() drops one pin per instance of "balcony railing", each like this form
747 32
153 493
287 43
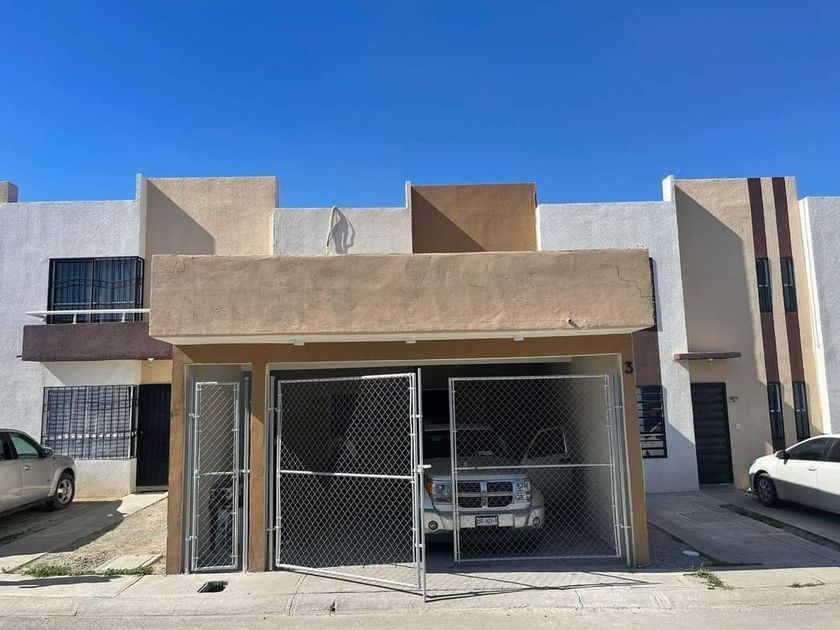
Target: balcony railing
87 315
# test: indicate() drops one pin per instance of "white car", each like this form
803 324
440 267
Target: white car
806 473
31 474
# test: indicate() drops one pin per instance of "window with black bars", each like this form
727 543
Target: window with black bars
90 422
777 423
788 285
800 411
95 283
651 411
765 295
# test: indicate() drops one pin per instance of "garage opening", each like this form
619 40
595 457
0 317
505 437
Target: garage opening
377 468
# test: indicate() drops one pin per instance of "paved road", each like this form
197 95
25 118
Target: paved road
801 617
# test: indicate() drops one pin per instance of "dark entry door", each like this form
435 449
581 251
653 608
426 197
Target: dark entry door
711 432
153 435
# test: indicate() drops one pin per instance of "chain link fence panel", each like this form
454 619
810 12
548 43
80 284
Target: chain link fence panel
217 488
533 468
347 478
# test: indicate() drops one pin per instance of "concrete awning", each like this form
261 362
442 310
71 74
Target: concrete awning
387 297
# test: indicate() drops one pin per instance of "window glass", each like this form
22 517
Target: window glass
547 443
777 422
95 283
765 295
90 422
26 448
5 449
834 454
811 451
788 285
800 410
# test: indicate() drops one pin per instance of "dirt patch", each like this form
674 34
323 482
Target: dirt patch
143 532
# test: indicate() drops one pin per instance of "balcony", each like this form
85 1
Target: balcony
116 338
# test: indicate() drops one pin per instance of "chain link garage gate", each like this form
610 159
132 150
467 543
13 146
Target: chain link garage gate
535 464
348 479
528 467
218 488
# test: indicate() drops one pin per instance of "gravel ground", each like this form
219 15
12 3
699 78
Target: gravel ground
143 532
666 552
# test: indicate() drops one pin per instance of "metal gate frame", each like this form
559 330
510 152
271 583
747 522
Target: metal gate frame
415 476
237 474
613 416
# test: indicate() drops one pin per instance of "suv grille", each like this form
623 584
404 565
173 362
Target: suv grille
476 495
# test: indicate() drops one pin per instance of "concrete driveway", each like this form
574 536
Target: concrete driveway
732 528
31 534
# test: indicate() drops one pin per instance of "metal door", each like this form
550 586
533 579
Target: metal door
536 465
711 432
216 497
348 479
153 435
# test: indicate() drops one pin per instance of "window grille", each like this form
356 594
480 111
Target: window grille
92 422
800 410
95 283
765 294
651 410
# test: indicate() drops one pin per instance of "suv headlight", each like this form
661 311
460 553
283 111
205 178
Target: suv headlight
522 491
440 491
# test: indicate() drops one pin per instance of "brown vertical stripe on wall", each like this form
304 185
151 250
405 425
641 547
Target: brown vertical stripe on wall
797 367
646 357
782 220
757 214
768 337
768 328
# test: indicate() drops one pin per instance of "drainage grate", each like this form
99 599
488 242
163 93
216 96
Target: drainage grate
213 586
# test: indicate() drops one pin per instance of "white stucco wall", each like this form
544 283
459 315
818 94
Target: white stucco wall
652 225
303 231
31 234
820 218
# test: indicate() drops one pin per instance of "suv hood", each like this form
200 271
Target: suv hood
441 469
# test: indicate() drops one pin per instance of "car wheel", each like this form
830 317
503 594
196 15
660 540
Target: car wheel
765 490
65 490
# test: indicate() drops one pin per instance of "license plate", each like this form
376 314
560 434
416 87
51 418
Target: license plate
486 521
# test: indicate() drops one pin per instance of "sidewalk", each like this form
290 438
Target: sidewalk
291 594
767 568
701 520
66 534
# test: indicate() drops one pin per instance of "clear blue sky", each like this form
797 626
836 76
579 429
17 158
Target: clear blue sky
344 101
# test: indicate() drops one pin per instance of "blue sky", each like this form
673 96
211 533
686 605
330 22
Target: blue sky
344 101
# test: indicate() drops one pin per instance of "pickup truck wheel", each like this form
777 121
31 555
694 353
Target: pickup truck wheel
65 490
765 490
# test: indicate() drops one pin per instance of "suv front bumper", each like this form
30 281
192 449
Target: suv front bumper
435 521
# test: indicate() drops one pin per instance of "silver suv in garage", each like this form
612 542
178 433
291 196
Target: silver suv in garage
31 474
491 498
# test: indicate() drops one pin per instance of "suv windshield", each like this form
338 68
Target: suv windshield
471 443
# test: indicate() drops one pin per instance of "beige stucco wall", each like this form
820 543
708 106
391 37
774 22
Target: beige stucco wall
400 294
225 216
473 218
158 371
721 306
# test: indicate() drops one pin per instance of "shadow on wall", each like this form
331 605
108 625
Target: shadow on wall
430 225
718 317
342 232
171 229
